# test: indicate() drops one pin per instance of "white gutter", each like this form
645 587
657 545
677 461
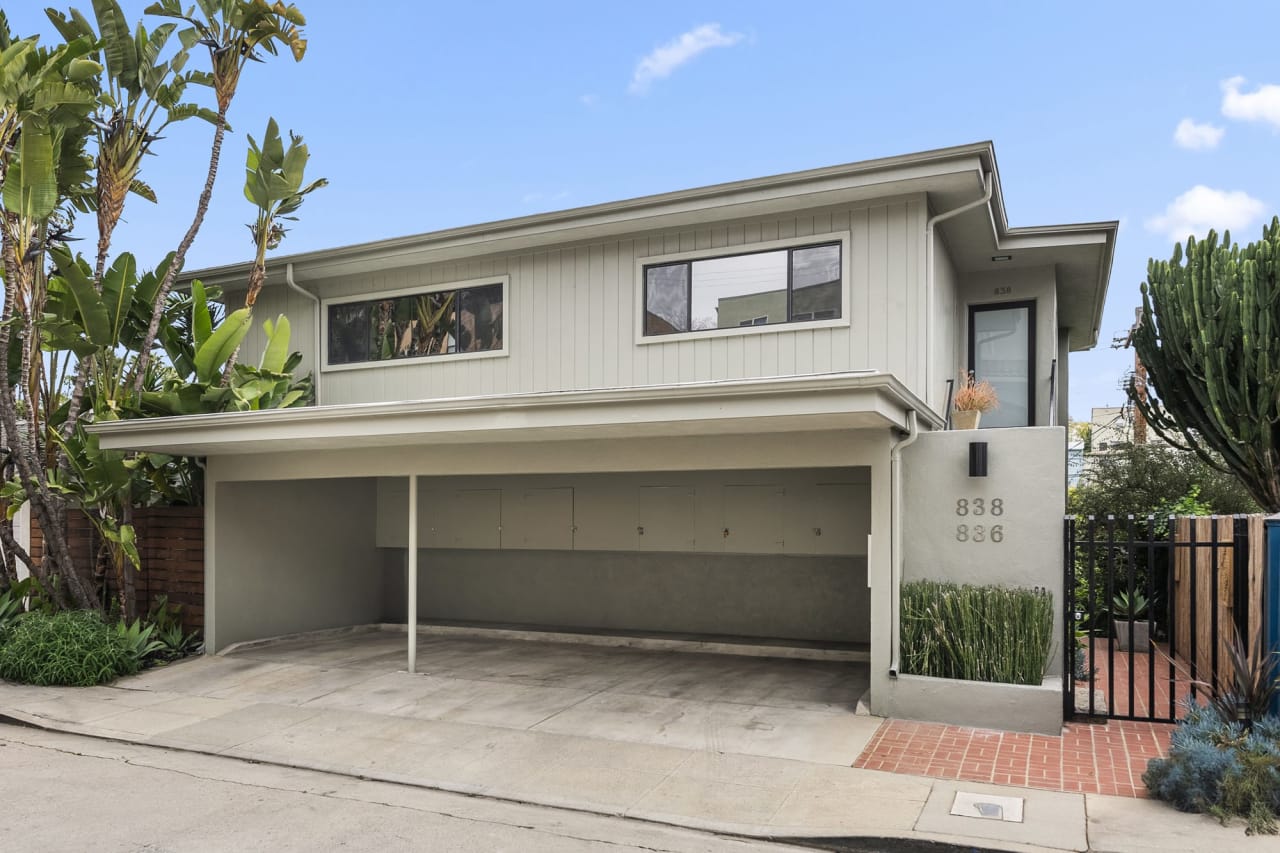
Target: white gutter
895 540
928 277
316 348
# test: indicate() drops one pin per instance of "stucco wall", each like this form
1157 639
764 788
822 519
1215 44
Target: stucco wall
792 597
290 556
1026 474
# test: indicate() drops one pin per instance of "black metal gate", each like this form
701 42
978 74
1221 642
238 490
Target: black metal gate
1151 605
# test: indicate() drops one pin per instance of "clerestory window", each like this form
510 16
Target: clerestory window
439 322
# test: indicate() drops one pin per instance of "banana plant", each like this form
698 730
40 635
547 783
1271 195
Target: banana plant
273 184
236 32
269 385
142 95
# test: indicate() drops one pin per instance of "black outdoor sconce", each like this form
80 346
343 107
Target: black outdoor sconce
977 459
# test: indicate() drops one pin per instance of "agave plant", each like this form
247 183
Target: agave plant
1250 683
138 640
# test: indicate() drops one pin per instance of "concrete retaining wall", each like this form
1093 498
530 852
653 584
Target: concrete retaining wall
1013 707
754 595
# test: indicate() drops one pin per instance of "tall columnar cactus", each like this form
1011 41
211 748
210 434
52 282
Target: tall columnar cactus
1209 335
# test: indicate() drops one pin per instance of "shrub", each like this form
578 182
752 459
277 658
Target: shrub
72 647
1146 479
1217 767
976 633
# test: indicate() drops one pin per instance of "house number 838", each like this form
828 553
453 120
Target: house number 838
977 508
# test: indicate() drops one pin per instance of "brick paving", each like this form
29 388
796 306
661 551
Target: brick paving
1092 758
1146 683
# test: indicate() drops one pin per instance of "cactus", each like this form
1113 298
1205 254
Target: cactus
1208 337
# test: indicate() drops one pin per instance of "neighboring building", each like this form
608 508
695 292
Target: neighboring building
676 414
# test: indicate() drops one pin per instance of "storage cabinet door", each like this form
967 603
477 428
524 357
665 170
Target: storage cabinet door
754 518
540 519
469 518
665 520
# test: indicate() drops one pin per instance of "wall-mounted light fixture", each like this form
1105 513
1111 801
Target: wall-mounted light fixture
977 459
1002 257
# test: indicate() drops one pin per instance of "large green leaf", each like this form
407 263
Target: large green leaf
93 313
277 350
118 45
118 284
201 320
31 185
221 344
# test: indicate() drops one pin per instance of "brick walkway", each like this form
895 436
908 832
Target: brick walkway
1145 682
1091 758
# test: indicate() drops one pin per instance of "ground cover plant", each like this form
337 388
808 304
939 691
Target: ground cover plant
976 633
1222 768
70 647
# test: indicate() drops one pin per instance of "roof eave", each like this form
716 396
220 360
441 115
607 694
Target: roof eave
552 226
493 417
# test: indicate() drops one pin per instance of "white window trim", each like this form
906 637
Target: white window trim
502 279
844 238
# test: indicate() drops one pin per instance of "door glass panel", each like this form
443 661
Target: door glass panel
1001 356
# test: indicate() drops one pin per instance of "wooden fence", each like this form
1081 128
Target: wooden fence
1207 599
171 545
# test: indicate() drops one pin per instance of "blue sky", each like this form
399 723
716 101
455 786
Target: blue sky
430 115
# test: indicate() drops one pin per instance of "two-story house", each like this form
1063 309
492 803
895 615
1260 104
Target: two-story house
674 414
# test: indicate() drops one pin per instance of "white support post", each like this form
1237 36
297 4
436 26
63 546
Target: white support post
413 574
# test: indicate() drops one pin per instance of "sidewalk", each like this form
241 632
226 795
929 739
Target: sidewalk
721 792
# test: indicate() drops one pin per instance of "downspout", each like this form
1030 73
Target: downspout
288 278
928 276
895 539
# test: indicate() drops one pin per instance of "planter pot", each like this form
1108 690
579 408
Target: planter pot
1141 636
967 419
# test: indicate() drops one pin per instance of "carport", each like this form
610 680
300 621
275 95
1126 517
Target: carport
743 508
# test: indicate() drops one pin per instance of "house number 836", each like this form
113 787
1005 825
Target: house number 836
976 508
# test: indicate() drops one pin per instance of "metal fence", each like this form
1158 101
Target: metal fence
1151 605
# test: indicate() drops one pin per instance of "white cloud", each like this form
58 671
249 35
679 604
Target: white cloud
1193 136
663 60
1201 208
589 99
1263 104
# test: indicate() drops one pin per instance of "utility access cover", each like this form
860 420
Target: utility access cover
987 807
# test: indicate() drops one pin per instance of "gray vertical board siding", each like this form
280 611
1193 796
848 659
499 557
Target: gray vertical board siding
1033 283
948 324
571 314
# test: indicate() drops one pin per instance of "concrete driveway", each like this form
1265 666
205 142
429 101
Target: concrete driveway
797 709
753 745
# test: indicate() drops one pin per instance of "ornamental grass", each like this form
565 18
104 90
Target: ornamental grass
976 633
